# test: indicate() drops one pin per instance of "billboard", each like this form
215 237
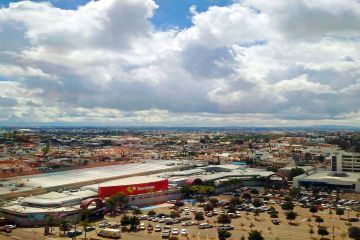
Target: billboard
133 189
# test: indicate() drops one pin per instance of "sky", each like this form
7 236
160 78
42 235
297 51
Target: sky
180 62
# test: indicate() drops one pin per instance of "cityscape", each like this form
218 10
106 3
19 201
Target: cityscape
180 119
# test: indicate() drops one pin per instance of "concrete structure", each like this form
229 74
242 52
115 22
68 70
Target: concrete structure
342 161
32 211
329 180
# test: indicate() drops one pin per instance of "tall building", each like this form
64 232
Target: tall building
345 162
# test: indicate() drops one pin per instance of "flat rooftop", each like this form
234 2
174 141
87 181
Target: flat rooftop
328 175
131 180
57 179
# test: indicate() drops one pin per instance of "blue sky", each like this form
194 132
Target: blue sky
171 13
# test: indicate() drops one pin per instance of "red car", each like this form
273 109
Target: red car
6 230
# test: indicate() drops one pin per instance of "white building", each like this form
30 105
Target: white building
260 155
342 161
329 180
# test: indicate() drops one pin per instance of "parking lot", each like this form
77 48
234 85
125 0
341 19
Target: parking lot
243 220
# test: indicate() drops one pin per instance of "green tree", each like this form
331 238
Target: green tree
254 191
287 206
137 211
235 201
174 214
125 220
84 225
295 172
111 205
214 201
313 209
319 220
257 202
255 235
340 212
63 225
354 233
291 216
199 216
311 231
134 221
323 232
152 213
246 196
223 234
208 207
121 200
223 219
256 213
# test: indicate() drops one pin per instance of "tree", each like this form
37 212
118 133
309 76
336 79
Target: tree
111 204
121 200
256 213
354 233
50 221
295 192
246 196
63 225
235 201
323 232
295 172
223 234
340 212
84 224
311 231
199 216
214 201
254 191
255 235
45 150
291 216
174 214
134 221
137 211
152 213
125 220
208 207
319 220
313 209
257 202
287 206
224 219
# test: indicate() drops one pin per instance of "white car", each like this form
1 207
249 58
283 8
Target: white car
142 226
184 231
175 231
158 228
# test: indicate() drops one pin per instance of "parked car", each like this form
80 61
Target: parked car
205 225
184 232
226 227
165 234
10 226
104 225
6 230
89 229
175 231
73 233
158 228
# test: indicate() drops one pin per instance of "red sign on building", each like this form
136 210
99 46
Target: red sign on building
133 189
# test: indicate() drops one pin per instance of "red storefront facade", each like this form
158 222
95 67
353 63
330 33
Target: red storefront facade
133 189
